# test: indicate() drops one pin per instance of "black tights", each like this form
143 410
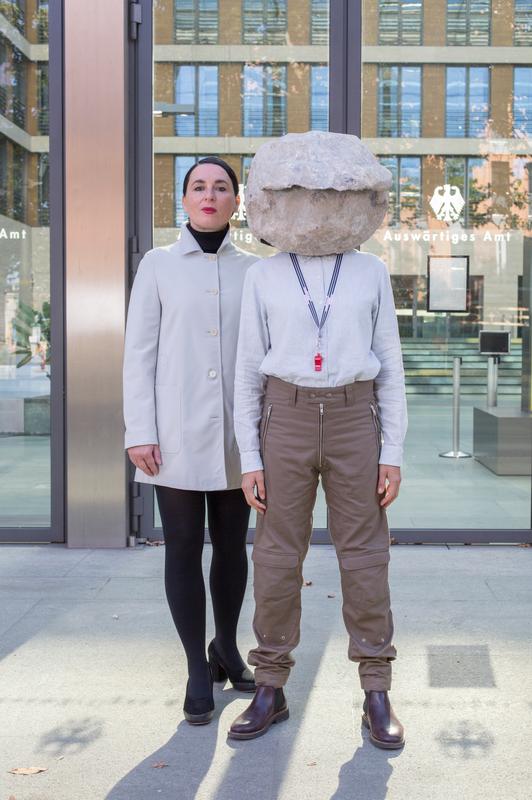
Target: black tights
183 519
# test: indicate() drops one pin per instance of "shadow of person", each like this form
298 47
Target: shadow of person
367 774
178 767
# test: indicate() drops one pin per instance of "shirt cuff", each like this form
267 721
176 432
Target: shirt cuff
250 461
391 454
137 439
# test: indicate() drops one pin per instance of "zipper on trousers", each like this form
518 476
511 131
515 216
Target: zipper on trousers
266 423
320 437
377 424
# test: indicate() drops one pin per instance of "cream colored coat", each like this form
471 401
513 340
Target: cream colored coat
179 362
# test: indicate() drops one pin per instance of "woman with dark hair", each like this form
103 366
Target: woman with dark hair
179 368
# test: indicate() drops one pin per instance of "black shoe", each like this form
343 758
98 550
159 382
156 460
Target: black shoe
242 680
267 707
199 710
378 716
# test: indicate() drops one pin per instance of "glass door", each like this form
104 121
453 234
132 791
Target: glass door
30 387
447 107
228 76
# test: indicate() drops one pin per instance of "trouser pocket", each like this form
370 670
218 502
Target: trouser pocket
366 607
277 589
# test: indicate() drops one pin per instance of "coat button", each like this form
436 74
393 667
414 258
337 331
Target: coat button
214 332
212 373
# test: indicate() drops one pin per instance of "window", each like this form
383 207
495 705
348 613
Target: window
400 21
246 164
319 98
471 175
14 11
182 166
405 194
319 32
523 23
44 189
196 21
399 101
468 22
12 83
196 97
42 21
467 101
42 98
264 22
522 101
264 100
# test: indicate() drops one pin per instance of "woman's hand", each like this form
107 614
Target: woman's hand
146 457
390 489
249 481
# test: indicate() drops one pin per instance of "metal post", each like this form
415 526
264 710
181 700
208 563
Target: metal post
493 378
456 452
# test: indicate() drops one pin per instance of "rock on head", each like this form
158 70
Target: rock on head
316 193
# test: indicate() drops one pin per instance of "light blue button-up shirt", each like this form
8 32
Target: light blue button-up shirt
278 336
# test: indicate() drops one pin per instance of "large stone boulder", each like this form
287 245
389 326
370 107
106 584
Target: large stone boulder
316 193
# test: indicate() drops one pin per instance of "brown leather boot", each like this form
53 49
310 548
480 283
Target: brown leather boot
268 706
385 730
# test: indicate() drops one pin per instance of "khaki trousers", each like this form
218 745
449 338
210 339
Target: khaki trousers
335 433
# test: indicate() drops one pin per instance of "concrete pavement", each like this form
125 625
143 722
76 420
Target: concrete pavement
92 681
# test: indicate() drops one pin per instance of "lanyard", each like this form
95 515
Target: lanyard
318 358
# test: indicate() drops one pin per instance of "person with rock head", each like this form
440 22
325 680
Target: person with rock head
319 391
179 366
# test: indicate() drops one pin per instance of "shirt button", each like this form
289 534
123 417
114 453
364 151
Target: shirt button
214 332
212 373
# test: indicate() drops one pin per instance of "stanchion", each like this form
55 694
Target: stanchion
493 379
456 452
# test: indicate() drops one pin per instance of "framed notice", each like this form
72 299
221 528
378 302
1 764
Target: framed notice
447 281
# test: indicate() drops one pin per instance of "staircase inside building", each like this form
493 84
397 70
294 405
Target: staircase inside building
429 367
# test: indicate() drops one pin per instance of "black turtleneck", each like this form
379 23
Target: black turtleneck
209 241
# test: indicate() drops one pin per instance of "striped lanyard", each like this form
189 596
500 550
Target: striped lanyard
318 358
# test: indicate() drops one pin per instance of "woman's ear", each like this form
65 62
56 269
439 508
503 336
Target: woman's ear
237 203
184 203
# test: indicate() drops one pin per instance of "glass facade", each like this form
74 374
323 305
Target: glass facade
225 105
25 356
461 188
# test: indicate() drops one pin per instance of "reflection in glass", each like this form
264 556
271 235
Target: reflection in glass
319 98
207 101
468 22
264 100
400 21
264 21
465 190
25 357
399 100
196 97
523 23
467 101
522 101
196 21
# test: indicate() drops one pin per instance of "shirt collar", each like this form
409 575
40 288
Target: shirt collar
188 244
